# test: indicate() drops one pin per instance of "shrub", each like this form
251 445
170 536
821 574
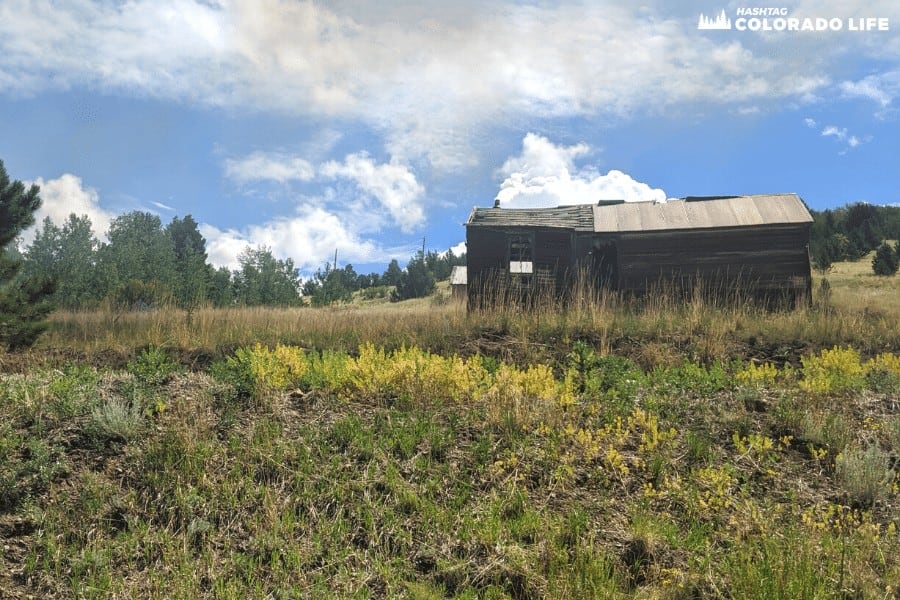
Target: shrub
883 373
117 420
865 474
885 260
833 371
757 376
603 376
259 371
153 366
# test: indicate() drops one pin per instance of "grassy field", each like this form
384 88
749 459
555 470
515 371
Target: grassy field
674 449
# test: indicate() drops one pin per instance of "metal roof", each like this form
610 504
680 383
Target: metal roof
459 275
701 213
692 212
579 217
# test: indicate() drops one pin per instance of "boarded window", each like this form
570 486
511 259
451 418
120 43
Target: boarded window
521 255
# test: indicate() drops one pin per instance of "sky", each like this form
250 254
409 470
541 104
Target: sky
368 128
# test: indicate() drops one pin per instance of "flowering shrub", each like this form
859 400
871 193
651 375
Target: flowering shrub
757 376
260 371
413 375
841 370
883 373
833 371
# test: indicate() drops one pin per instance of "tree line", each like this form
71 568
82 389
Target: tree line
851 232
146 264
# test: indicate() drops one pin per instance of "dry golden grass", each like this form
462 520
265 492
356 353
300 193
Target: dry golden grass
855 286
861 310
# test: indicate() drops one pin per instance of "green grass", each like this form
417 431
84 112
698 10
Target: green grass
412 450
646 483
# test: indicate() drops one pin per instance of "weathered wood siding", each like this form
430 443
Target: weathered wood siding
756 244
487 258
763 260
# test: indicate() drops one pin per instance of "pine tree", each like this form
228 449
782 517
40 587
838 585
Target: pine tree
23 301
885 261
415 282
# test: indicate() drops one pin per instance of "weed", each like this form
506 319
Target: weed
153 366
865 474
117 419
832 430
837 370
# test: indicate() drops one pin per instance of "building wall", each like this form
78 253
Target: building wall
487 258
768 261
764 260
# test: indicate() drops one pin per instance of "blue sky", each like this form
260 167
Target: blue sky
363 127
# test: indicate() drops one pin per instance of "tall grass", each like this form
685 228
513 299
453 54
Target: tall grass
660 327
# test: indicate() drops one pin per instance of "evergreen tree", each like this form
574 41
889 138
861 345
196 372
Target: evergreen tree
415 282
331 285
221 289
885 261
392 274
23 301
192 276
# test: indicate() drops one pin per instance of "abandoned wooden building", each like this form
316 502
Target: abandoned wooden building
458 282
755 244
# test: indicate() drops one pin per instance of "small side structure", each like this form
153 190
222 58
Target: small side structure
458 282
757 245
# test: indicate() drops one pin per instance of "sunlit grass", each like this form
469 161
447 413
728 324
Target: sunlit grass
404 473
859 309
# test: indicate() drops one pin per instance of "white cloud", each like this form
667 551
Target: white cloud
831 130
459 249
393 185
162 206
261 166
811 123
63 196
545 174
882 88
842 135
310 238
430 77
379 187
870 87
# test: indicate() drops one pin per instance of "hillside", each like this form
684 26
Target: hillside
669 450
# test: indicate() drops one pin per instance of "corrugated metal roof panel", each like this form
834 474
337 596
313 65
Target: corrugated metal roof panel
697 213
688 213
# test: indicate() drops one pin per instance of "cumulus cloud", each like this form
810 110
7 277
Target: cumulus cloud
429 78
309 237
545 174
378 187
359 196
63 196
261 166
393 185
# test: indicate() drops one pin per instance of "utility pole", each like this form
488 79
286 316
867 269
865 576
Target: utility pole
335 259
